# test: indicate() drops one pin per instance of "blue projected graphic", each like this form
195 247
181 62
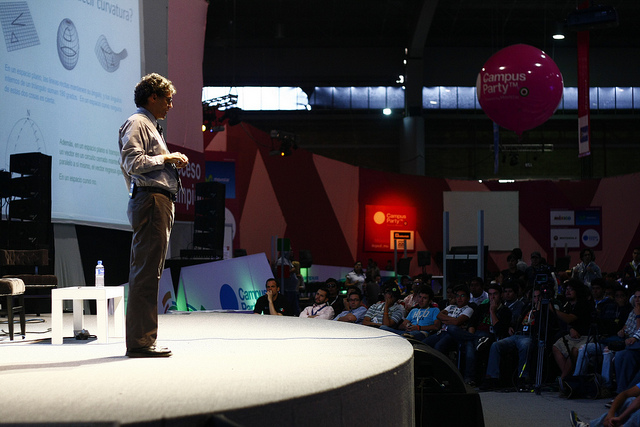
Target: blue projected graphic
68 44
17 26
109 60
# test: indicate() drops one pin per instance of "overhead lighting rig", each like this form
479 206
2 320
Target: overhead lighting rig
288 143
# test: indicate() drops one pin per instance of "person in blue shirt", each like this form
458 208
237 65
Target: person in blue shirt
421 321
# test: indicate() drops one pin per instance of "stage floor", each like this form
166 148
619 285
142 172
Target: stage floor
253 369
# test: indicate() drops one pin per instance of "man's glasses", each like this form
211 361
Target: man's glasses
331 285
461 295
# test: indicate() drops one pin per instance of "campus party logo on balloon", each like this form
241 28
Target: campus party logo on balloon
519 87
500 83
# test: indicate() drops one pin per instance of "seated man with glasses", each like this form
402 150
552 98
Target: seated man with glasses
355 311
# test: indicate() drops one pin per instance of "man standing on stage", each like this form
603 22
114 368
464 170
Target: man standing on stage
150 172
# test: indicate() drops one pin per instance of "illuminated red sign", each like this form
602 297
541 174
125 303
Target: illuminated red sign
386 227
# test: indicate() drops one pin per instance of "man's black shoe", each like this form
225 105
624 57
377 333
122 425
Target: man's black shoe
151 351
489 384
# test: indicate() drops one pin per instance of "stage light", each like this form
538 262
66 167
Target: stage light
386 111
204 128
288 143
558 33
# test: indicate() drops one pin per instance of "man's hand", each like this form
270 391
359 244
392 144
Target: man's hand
178 159
388 300
270 295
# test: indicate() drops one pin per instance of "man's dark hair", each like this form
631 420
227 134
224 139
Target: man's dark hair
330 280
517 252
582 291
598 281
463 288
152 84
510 284
426 289
355 290
323 288
270 279
495 286
585 250
479 280
393 290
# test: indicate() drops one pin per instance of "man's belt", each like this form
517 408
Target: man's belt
158 190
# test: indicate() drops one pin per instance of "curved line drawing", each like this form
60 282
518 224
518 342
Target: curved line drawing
68 44
109 59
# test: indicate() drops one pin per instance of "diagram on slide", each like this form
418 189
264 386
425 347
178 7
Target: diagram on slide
25 137
68 44
17 26
109 60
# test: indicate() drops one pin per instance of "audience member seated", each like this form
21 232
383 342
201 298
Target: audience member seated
490 321
449 300
627 361
623 411
356 311
587 271
321 308
272 302
356 277
336 301
454 320
575 318
387 313
538 272
609 317
405 286
411 300
421 321
632 269
522 340
478 294
510 298
512 273
517 252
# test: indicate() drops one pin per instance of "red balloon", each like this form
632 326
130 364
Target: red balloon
519 87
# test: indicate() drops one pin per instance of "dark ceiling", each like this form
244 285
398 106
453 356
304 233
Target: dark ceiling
363 42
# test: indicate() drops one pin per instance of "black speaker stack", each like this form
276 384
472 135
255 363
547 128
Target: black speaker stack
28 190
208 226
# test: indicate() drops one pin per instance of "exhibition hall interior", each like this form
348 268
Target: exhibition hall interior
432 143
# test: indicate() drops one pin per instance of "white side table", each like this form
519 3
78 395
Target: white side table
80 293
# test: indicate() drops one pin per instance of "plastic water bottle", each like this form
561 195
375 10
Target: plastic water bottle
99 274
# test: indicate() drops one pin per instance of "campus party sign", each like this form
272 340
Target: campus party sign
234 284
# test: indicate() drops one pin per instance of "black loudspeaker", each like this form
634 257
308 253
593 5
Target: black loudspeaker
29 217
403 266
208 226
237 253
306 260
30 164
5 184
424 258
441 392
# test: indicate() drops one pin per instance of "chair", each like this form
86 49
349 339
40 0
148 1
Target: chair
11 288
24 265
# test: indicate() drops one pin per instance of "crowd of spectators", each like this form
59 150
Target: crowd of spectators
580 320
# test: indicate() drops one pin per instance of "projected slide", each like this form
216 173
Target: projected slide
68 72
